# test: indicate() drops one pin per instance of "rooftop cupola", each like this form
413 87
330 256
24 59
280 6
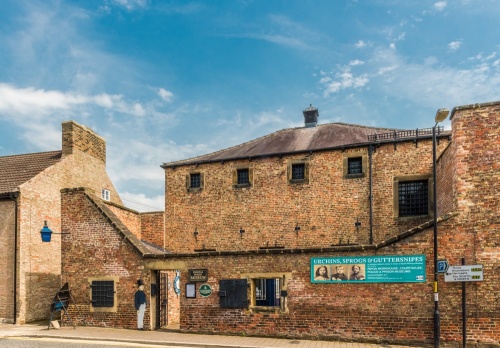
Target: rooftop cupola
311 115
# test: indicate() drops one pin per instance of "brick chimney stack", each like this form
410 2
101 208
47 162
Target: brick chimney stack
78 137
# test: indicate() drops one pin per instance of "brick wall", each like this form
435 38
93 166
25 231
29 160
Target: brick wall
474 236
99 251
39 263
347 312
129 217
39 267
153 227
326 208
76 136
445 179
7 216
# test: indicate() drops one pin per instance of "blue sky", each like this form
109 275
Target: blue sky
169 80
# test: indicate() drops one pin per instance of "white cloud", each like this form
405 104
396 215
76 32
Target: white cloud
29 102
360 44
131 5
343 80
285 32
431 85
165 95
454 45
356 62
428 84
440 5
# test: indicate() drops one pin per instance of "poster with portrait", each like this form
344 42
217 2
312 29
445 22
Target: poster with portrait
368 269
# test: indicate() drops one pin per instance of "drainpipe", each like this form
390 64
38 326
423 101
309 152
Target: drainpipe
14 196
370 151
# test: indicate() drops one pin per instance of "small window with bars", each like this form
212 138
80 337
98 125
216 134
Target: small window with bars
413 198
355 165
267 292
195 180
243 176
298 171
103 293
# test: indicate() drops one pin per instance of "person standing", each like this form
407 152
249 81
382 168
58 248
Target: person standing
140 304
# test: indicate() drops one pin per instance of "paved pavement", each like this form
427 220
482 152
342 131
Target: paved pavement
164 338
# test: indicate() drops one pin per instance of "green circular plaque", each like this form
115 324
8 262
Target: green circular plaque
205 290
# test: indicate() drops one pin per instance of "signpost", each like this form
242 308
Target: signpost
465 273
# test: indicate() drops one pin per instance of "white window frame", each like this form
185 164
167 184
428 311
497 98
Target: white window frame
105 194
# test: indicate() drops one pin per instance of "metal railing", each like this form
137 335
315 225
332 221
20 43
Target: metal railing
415 133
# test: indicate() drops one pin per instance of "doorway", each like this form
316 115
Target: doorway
167 313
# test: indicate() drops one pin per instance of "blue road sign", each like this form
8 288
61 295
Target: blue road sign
442 266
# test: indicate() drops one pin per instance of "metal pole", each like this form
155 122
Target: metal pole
370 154
437 325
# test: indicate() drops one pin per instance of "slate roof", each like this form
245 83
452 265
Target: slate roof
292 140
18 169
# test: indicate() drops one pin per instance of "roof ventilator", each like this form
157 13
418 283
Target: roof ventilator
311 115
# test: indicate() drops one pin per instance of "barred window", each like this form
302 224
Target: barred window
267 292
195 180
103 293
413 198
298 171
243 176
355 165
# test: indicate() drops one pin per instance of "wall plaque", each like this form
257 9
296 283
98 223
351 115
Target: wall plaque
197 275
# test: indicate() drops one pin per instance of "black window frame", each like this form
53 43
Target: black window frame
358 159
413 198
300 167
195 180
355 165
103 293
243 176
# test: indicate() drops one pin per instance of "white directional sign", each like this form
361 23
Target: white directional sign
465 273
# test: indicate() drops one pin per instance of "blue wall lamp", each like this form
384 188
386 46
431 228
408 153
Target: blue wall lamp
46 233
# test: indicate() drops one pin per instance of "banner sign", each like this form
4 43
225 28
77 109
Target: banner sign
368 269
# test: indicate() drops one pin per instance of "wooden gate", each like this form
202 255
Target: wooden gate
162 298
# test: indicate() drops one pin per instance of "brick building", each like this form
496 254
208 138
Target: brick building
30 187
251 230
